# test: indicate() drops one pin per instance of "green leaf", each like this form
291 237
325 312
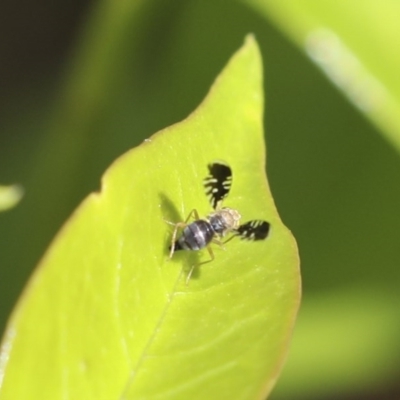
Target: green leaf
108 316
355 44
9 196
353 336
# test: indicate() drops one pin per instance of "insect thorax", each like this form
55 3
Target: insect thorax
225 220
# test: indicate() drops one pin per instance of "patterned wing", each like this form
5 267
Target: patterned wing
218 184
253 230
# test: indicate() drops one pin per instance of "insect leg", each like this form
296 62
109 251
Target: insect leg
198 265
173 239
228 240
219 242
180 225
193 212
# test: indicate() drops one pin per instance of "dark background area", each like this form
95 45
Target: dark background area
35 41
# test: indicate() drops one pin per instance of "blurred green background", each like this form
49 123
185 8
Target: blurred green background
80 83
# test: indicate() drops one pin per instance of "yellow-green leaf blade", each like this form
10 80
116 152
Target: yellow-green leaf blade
117 316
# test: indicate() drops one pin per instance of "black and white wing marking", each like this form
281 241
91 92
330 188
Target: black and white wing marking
253 230
218 183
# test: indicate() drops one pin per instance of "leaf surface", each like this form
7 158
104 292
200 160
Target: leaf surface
108 316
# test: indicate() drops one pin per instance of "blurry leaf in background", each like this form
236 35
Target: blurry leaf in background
116 313
354 43
339 340
10 196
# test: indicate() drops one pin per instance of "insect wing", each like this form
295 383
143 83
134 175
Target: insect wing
218 183
253 230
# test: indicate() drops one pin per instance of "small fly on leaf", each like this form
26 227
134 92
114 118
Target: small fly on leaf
200 233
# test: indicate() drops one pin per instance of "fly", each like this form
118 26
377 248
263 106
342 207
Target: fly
200 233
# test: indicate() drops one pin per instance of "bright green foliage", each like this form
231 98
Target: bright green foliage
108 316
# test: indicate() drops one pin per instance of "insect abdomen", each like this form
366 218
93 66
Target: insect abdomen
195 236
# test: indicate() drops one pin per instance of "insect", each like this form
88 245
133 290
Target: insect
200 233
